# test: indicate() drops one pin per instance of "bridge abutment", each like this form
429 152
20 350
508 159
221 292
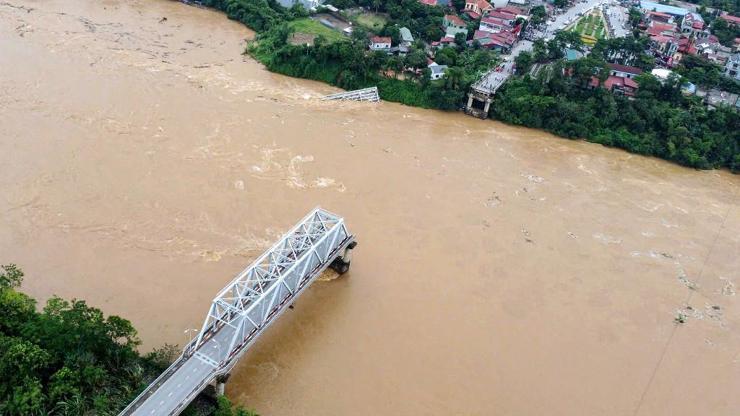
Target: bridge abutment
479 103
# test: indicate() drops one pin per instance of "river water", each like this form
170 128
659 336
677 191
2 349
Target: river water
500 270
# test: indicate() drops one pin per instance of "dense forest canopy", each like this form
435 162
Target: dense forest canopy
660 121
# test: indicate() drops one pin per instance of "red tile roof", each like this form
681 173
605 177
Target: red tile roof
500 15
505 38
511 10
495 21
629 82
625 68
657 29
479 34
455 20
662 39
660 14
730 18
482 4
613 81
428 2
380 39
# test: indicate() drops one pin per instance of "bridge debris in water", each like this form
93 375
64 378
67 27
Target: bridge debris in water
245 308
365 94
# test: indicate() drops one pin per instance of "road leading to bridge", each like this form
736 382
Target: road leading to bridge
246 307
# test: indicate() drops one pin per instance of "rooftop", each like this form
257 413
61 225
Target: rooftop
730 18
455 20
625 68
380 39
437 68
663 8
406 34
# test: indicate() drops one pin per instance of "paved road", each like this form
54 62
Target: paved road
177 388
618 20
494 79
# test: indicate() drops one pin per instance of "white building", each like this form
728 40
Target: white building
380 43
438 71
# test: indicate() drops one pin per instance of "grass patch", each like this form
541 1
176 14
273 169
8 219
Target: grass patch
312 27
591 27
371 21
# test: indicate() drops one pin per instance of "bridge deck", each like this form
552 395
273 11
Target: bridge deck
244 309
365 94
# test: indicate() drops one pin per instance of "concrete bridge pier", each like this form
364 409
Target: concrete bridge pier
221 384
479 103
341 263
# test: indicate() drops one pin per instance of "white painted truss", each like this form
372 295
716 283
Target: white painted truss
246 307
247 303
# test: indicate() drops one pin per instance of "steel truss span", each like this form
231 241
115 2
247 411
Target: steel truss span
246 307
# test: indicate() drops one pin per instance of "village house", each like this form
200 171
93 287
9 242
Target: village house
621 86
428 2
437 71
692 23
502 41
477 8
732 20
661 29
494 24
665 49
444 42
454 25
623 71
380 43
504 15
658 17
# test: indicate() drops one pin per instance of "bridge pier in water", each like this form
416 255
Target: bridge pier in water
479 103
342 262
221 384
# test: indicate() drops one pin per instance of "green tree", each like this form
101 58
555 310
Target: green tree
539 50
524 62
416 58
538 14
10 276
460 39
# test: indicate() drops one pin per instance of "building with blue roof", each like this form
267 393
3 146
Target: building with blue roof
663 8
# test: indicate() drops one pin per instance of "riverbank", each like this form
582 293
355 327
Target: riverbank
144 164
659 122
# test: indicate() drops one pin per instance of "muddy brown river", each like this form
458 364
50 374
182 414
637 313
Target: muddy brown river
500 271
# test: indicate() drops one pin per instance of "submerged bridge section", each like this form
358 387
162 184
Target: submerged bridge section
365 94
241 312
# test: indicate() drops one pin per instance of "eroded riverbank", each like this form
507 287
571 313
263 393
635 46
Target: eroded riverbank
501 270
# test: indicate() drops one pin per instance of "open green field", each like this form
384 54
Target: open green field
591 27
371 21
312 27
